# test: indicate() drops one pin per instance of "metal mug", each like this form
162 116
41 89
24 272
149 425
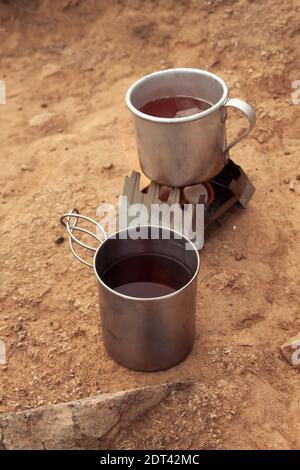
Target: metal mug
185 150
145 334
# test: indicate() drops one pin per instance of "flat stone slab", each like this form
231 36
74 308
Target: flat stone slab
90 423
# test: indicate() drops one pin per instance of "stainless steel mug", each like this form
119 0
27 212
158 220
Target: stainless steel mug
145 334
185 150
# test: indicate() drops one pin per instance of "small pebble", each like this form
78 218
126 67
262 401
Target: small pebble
286 180
43 119
17 327
108 166
60 240
22 335
25 167
292 186
234 227
238 256
269 297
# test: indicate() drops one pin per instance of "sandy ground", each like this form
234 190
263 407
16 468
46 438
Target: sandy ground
76 59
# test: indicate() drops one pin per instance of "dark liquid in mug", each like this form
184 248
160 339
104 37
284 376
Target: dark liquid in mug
175 106
146 276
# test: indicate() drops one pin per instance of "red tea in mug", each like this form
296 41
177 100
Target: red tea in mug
175 106
147 275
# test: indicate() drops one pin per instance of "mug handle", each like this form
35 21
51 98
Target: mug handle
248 111
66 220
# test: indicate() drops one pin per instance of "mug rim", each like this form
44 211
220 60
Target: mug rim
147 299
177 120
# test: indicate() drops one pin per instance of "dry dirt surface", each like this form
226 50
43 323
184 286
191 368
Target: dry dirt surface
74 60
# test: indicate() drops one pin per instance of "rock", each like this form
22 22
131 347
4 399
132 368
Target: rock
292 186
60 240
269 297
25 167
286 180
17 327
298 177
50 69
291 351
42 119
90 423
239 255
21 335
108 166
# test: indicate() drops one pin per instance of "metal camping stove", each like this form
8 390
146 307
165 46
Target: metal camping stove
231 187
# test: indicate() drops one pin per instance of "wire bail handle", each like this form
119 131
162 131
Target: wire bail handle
66 220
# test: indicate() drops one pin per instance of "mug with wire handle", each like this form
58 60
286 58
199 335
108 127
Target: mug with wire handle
145 333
